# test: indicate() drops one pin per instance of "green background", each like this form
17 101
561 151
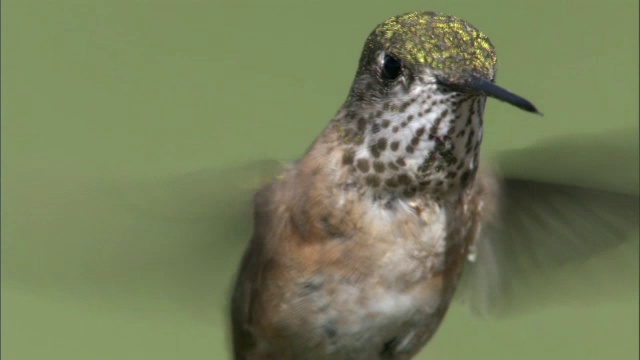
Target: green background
114 113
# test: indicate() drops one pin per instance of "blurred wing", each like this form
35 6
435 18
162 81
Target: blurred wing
172 242
542 230
200 195
553 243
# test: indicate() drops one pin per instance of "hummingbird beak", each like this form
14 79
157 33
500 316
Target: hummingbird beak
487 88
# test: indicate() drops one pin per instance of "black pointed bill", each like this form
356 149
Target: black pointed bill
486 87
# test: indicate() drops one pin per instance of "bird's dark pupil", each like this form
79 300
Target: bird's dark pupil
391 68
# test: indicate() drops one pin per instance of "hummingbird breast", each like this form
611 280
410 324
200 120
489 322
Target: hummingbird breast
344 274
358 247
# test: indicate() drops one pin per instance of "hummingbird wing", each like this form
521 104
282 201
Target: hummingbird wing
550 241
201 195
164 243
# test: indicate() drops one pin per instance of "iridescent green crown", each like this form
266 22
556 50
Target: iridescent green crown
446 44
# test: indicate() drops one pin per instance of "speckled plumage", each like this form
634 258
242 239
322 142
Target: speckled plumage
358 247
416 134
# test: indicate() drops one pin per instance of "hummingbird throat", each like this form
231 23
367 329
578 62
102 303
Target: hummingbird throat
425 141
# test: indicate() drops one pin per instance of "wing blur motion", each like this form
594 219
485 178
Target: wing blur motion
202 195
131 244
552 242
541 228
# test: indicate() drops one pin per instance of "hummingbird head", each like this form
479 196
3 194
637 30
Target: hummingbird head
413 118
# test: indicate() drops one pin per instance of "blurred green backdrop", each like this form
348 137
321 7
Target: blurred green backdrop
104 100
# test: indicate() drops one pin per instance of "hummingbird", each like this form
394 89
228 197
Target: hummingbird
359 246
347 259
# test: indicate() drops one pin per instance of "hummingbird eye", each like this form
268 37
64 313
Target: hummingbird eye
391 68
